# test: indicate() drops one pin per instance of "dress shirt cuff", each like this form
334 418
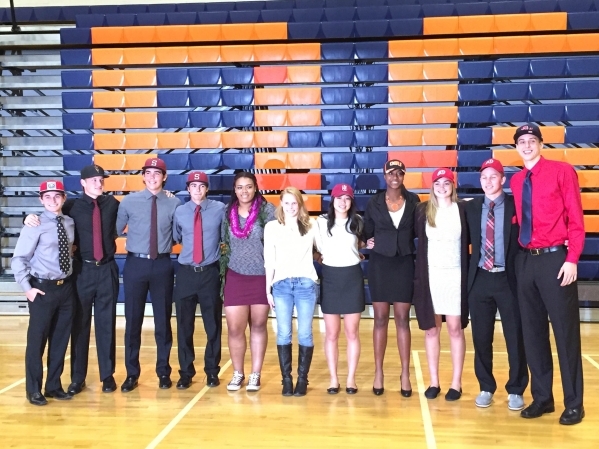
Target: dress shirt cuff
25 285
571 257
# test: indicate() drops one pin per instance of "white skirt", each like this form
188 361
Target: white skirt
446 290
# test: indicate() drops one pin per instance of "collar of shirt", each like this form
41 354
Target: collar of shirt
203 205
498 201
89 200
52 216
148 195
537 167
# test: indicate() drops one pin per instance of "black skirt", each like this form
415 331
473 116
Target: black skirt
391 279
342 290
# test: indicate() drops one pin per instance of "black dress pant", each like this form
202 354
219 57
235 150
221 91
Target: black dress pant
50 317
141 276
97 286
199 286
540 294
490 292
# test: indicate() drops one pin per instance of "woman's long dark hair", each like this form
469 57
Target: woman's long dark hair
243 174
354 225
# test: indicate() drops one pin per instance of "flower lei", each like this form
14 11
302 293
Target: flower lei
249 224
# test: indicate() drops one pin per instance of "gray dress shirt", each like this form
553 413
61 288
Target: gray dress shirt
134 212
499 244
36 253
212 213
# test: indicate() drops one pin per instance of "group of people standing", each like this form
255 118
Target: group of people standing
259 257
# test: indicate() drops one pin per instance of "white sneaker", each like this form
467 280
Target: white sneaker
515 402
236 382
253 382
484 399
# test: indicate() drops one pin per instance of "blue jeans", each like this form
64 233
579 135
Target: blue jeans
301 293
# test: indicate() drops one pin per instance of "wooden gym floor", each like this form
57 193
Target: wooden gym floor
203 417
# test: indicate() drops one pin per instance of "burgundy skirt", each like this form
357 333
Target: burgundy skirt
244 289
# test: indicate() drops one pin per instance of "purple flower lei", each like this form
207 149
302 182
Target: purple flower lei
249 224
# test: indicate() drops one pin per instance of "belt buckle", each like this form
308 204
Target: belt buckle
536 252
60 282
198 269
98 263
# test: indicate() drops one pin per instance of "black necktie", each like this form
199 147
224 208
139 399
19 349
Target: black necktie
526 225
64 258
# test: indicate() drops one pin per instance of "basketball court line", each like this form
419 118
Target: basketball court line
19 382
591 361
162 435
429 432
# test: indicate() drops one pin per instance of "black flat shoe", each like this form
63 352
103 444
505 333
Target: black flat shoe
537 409
108 385
36 398
212 380
184 383
333 390
378 391
76 388
58 394
432 392
572 416
165 382
350 390
453 394
130 384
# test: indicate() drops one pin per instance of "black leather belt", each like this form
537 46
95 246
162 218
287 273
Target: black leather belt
99 262
199 269
147 256
39 281
539 251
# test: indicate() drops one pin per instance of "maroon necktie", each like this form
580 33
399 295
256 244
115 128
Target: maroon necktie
198 245
97 232
154 229
489 261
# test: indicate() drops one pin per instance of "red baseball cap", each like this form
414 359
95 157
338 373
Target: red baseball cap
51 186
342 189
197 176
443 173
155 163
494 164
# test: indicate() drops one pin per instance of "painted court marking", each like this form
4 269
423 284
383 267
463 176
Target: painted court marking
429 432
19 382
591 361
162 435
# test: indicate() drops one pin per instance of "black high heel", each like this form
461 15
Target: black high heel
404 393
378 391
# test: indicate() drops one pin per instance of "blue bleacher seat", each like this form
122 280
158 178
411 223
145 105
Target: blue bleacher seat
70 13
72 183
309 3
337 160
207 77
546 113
371 138
507 7
372 28
237 97
120 20
181 18
307 14
205 161
475 114
475 92
335 139
337 73
371 50
75 162
406 27
173 77
241 75
90 20
303 139
345 14
215 17
372 12
103 9
468 180
204 97
582 134
582 66
337 95
76 78
371 3
337 117
510 91
172 98
548 67
238 119
378 116
537 6
172 119
250 6
176 161
510 113
514 68
438 10
279 4
371 159
472 8
473 158
370 181
211 119
582 89
77 100
176 182
304 30
253 16
475 69
78 121
474 136
339 3
372 73
337 30
582 112
583 20
588 269
237 161
405 11
47 13
75 36
372 95
72 142
330 180
133 9
591 246
337 50
571 6
220 6
547 90
164 7
151 19
277 15
226 182
75 57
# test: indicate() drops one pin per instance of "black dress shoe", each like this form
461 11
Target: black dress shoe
165 382
184 383
36 398
130 384
378 391
333 390
432 392
212 380
537 409
572 416
108 385
350 390
75 388
405 393
453 394
58 394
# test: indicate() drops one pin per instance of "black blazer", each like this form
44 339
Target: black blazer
389 240
511 231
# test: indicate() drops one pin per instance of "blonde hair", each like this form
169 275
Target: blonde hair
303 218
432 204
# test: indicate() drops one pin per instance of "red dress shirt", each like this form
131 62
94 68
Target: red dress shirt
556 206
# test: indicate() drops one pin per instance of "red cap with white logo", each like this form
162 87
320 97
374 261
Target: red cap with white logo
155 163
197 176
342 189
494 164
51 186
443 173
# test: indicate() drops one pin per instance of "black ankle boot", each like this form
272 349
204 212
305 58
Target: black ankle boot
285 364
303 367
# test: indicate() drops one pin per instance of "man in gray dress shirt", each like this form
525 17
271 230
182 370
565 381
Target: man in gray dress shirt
148 268
42 266
197 226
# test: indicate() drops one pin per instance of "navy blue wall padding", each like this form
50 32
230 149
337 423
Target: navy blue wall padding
253 16
507 7
204 97
582 134
337 50
71 142
215 17
372 138
205 119
337 30
591 246
337 160
510 113
305 30
205 161
76 162
75 36
405 12
176 182
181 18
337 117
475 92
370 181
474 136
76 78
220 6
176 161
207 77
551 90
307 14
473 158
303 139
77 100
373 160
372 28
243 161
582 89
337 95
172 7
472 9
583 20
47 13
372 50
546 113
120 20
571 6
173 77
339 14
518 68
372 73
469 180
90 20
172 98
406 27
337 139
475 69
371 116
582 112
82 120
548 67
372 95
510 91
536 6
72 183
242 75
583 66
337 73
475 114
330 180
438 10
151 19
75 57
372 13
104 9
277 15
238 119
172 119
133 9
237 97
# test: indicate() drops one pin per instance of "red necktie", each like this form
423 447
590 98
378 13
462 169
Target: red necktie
198 246
97 232
154 229
489 261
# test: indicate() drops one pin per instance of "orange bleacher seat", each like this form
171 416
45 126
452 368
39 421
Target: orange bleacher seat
109 141
440 70
404 137
108 78
406 48
172 33
440 92
582 156
591 223
511 23
173 141
107 35
205 33
141 141
590 201
141 119
508 158
303 74
548 44
140 99
303 95
503 45
237 31
476 24
439 158
109 120
136 161
413 180
270 160
204 140
171 55
270 139
406 94
273 52
139 34
177 247
303 52
440 25
588 178
303 117
303 160
270 31
441 47
439 136
236 53
146 77
582 42
120 242
410 158
505 135
272 74
240 139
427 180
203 54
312 202
266 97
424 197
107 56
554 21
139 56
303 181
405 116
440 114
276 117
104 100
116 183
110 161
476 45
